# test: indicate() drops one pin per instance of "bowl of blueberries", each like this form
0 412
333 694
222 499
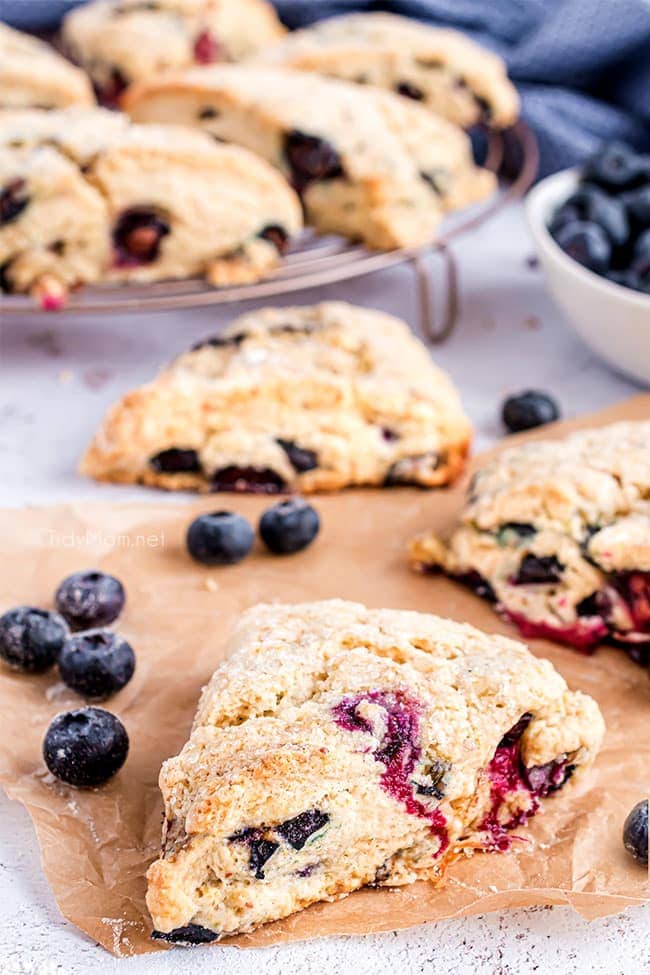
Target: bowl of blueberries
591 226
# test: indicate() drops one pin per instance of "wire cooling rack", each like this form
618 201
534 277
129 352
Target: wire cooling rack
314 261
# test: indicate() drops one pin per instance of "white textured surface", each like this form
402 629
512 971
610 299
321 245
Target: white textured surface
56 379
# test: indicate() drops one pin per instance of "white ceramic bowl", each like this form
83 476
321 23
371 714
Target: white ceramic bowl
613 320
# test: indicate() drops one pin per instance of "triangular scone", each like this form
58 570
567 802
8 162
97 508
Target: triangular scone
308 398
556 533
34 75
340 746
178 204
368 164
440 68
120 41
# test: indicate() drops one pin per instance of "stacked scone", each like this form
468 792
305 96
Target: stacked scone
87 196
309 398
340 746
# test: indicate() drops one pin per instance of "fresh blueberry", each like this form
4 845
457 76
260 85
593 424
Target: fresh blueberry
137 237
538 569
176 460
642 245
220 538
289 526
637 204
563 215
31 639
615 167
96 663
639 274
85 748
90 599
13 200
529 409
635 832
595 206
587 243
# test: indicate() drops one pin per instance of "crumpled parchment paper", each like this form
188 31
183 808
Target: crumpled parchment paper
96 845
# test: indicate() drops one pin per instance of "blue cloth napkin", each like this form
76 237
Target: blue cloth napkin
582 66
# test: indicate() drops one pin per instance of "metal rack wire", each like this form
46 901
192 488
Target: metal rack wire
314 261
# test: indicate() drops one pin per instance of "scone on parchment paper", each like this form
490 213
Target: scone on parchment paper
121 41
290 399
440 68
340 746
176 204
368 164
34 75
556 534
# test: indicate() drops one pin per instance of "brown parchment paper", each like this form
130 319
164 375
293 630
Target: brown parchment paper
96 845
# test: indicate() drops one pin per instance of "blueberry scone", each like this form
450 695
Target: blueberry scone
439 68
557 535
33 75
339 747
309 398
121 41
174 203
368 164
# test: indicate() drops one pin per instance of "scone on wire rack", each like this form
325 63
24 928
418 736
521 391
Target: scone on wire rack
34 75
557 535
440 68
312 398
176 204
339 746
368 164
121 41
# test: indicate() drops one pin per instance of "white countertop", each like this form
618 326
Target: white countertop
56 379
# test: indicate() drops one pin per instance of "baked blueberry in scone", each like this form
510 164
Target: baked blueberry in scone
34 75
368 164
285 399
557 535
121 41
175 203
339 747
442 69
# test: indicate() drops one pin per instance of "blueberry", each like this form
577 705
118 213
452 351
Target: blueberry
642 245
207 49
409 90
301 458
261 849
277 236
597 207
529 409
85 748
90 599
637 204
176 460
639 274
298 830
96 663
615 167
13 200
289 526
635 832
310 158
538 569
137 237
587 243
190 934
249 480
563 215
220 538
31 639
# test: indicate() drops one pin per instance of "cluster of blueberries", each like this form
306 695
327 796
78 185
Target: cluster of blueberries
605 223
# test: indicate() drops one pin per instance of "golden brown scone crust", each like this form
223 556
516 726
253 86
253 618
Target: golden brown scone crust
308 398
440 68
339 746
